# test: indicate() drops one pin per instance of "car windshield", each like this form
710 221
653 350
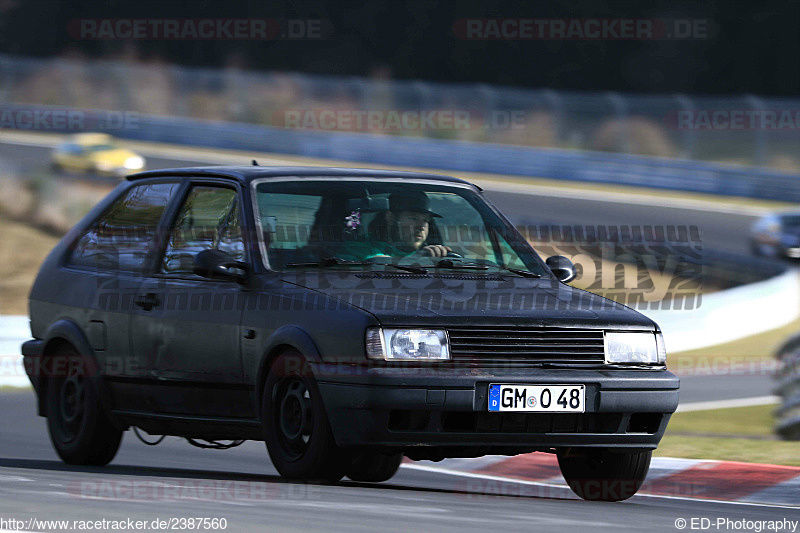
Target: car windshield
378 224
100 147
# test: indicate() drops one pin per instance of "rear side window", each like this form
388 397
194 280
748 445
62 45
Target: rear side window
120 238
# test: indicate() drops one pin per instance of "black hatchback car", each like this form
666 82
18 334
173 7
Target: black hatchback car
348 318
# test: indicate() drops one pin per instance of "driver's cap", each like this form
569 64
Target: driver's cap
417 202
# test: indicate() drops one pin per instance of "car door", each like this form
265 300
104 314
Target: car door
186 326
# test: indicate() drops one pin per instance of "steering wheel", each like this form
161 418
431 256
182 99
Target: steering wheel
453 255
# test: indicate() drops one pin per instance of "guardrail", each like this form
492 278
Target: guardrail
788 376
598 167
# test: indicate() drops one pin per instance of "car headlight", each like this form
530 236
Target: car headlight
396 344
133 163
662 349
635 348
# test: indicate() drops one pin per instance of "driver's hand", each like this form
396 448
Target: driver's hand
435 250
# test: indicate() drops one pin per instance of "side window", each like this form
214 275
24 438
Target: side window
208 219
120 238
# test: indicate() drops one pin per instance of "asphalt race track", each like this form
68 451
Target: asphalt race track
176 480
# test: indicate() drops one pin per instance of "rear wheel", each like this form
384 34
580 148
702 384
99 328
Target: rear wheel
296 428
374 467
602 475
81 432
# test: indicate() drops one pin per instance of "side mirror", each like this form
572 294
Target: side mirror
216 264
562 267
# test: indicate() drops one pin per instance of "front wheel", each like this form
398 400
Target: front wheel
374 467
81 432
296 427
603 475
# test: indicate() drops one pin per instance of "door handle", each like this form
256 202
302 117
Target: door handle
148 301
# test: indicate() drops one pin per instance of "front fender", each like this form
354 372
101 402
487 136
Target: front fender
286 336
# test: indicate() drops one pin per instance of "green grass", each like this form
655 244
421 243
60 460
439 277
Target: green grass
737 434
756 421
761 345
9 388
726 449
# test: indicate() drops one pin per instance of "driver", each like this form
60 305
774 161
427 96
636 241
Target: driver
405 227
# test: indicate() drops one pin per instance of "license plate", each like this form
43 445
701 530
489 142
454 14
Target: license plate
537 398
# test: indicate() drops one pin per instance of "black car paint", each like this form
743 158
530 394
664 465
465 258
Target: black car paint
324 316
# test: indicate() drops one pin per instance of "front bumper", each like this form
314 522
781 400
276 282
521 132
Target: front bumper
32 351
418 407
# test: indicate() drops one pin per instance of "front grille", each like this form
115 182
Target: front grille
517 346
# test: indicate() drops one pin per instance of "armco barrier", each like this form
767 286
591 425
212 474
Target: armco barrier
559 164
788 376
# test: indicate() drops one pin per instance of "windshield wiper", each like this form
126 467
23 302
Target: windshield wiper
337 261
449 263
329 262
523 273
409 268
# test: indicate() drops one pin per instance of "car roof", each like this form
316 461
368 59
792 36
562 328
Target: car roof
246 174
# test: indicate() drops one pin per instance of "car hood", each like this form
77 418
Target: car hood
464 299
117 156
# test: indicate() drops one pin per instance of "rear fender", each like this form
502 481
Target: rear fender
67 332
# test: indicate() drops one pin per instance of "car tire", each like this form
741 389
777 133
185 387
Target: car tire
603 475
80 430
374 467
296 428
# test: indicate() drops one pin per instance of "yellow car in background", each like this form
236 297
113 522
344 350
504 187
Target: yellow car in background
95 153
